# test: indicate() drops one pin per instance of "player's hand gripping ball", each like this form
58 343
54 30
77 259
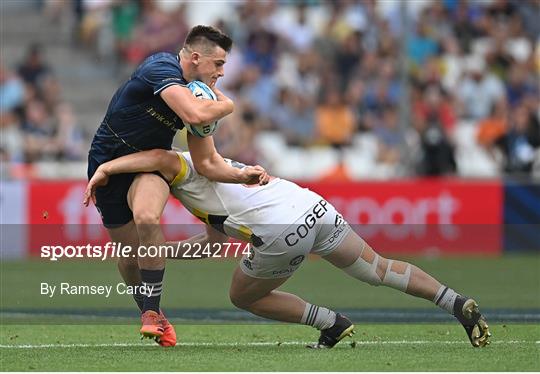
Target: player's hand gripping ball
202 91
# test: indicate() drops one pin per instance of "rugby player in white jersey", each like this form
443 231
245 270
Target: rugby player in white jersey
284 223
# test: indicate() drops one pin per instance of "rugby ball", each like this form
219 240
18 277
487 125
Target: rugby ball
202 91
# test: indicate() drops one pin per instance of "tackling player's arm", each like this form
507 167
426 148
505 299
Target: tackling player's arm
194 111
165 162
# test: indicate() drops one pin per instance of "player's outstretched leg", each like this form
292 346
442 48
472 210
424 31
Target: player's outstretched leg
355 257
129 270
259 296
147 197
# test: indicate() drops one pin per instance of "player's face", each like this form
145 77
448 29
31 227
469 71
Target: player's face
209 67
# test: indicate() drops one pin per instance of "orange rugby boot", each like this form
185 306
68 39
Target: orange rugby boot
168 339
152 325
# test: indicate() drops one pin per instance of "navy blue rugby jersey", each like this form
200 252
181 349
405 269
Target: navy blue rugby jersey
137 117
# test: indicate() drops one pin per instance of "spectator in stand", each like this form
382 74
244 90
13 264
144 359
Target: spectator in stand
301 72
438 22
91 19
429 74
160 30
298 34
355 100
520 84
261 50
125 15
335 121
39 133
50 93
390 138
468 21
532 103
497 57
433 120
11 141
435 105
33 69
260 89
521 142
11 104
379 96
492 128
11 91
336 28
528 12
422 45
452 63
69 137
236 137
369 68
479 90
348 57
501 13
293 117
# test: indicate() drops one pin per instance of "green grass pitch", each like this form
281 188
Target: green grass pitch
31 342
261 347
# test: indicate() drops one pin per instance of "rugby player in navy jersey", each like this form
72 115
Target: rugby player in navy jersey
145 113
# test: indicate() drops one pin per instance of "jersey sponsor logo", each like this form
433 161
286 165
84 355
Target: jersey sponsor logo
247 264
297 260
284 271
251 255
318 211
340 228
171 124
173 79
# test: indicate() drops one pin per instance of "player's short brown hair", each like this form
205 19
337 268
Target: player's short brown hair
207 35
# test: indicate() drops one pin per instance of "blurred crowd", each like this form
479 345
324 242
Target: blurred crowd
424 94
36 123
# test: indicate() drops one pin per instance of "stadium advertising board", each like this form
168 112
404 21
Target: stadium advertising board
408 217
449 216
57 217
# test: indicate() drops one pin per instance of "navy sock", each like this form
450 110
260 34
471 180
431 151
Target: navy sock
153 281
139 297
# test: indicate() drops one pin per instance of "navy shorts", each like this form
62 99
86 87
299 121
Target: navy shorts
111 200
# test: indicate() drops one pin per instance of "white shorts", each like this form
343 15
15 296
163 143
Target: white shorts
319 231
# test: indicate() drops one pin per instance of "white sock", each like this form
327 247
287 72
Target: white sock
319 317
445 298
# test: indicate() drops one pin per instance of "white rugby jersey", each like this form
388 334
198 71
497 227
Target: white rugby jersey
255 213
